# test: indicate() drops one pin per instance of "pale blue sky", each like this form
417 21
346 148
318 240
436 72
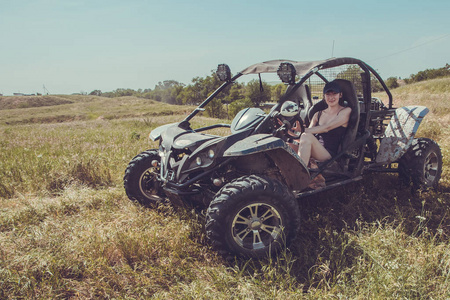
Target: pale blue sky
82 45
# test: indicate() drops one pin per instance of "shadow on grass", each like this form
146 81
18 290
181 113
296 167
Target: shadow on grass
324 247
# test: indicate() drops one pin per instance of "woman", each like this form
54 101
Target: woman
321 139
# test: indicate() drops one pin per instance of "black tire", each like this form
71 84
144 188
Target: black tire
252 216
421 165
141 179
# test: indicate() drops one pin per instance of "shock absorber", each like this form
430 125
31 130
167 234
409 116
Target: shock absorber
372 146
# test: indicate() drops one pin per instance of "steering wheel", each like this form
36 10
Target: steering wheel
290 127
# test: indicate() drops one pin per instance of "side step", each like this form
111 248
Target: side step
328 187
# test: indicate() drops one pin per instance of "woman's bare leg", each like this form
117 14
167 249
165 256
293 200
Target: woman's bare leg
310 146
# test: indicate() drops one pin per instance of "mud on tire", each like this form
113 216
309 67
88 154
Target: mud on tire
140 180
253 216
421 165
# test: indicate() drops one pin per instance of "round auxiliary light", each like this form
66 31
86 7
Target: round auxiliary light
286 72
211 153
223 72
198 161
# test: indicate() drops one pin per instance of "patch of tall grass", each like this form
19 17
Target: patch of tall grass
92 243
48 158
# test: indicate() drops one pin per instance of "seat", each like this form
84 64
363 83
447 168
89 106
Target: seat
349 96
349 99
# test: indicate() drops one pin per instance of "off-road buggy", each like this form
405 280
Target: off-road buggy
250 182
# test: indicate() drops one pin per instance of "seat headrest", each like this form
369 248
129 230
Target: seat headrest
348 93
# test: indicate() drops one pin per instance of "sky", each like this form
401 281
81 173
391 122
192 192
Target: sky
73 46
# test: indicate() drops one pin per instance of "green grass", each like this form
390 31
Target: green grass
67 229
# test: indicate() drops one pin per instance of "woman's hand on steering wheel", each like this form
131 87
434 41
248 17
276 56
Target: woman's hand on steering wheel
296 130
292 129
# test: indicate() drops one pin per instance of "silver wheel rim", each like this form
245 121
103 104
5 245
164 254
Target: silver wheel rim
256 226
147 184
431 168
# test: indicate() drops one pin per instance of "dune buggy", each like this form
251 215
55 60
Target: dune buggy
250 181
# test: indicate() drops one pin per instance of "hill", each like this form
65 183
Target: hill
67 108
31 101
67 229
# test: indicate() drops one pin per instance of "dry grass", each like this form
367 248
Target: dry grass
79 108
68 231
31 101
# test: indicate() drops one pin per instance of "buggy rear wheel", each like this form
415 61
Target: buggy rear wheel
252 216
422 164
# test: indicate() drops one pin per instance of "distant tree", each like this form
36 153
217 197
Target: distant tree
123 92
277 91
238 105
258 93
430 74
375 84
96 93
215 109
195 92
200 88
236 92
353 74
392 82
108 94
166 91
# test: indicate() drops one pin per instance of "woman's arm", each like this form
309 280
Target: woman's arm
340 120
313 121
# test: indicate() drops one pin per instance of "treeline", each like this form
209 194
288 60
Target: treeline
236 96
392 82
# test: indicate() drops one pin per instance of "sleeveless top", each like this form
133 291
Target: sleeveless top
331 139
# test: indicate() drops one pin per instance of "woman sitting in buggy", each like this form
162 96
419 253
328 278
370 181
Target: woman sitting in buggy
321 139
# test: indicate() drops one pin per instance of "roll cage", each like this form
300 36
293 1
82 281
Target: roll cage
304 70
363 76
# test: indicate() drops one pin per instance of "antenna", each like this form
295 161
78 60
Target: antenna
45 90
332 50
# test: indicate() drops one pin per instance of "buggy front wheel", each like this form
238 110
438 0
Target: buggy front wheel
253 216
141 179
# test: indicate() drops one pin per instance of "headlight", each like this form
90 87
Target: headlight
286 71
223 72
203 159
211 153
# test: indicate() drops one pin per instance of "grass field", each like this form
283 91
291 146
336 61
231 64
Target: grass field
67 229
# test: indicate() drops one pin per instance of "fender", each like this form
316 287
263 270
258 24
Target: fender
400 133
254 144
155 134
290 164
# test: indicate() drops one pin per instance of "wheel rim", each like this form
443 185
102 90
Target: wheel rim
256 226
148 185
431 167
